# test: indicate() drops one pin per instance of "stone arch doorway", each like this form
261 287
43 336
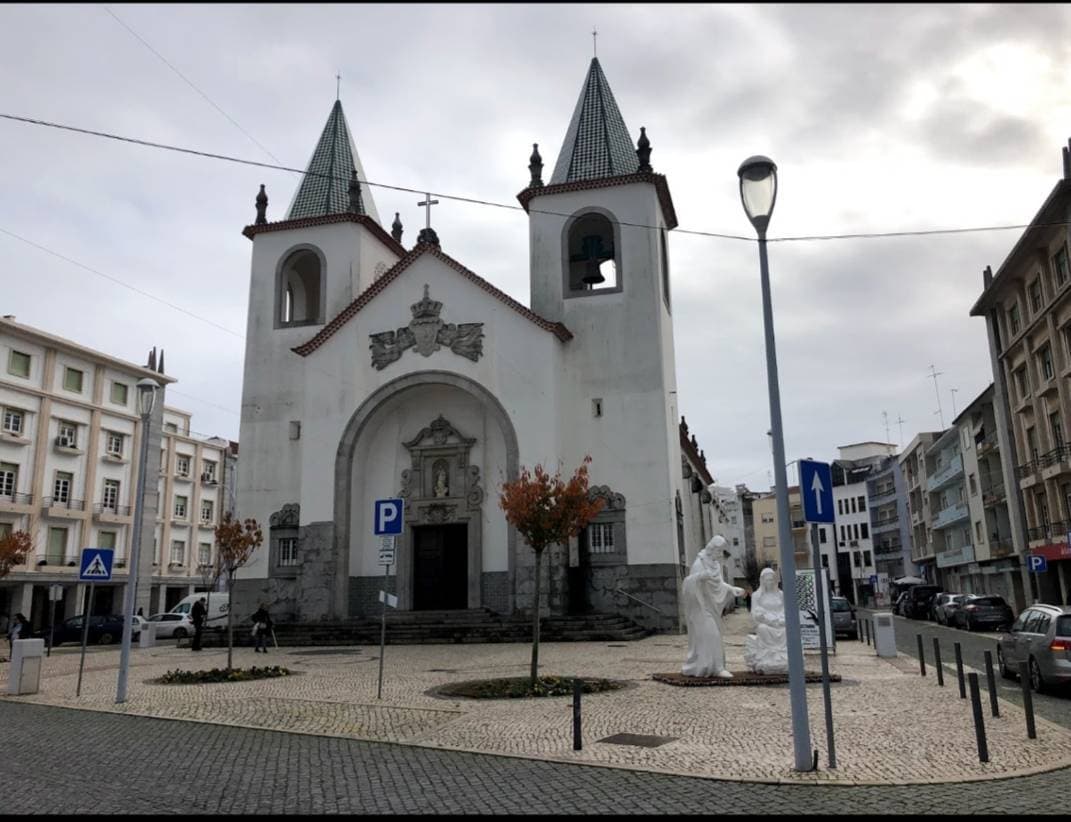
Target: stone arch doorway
423 509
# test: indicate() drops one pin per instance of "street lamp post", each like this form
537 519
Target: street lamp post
147 390
758 192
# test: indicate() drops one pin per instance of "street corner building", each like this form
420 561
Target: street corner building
376 370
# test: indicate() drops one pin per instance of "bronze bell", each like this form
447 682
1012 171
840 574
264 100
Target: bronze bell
594 255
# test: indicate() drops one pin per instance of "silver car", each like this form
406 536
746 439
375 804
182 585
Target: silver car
1041 637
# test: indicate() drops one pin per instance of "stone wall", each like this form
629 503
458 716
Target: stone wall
657 585
364 594
494 591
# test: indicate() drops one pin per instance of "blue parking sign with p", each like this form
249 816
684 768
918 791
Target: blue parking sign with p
388 517
1038 564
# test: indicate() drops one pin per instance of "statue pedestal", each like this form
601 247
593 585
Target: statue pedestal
744 678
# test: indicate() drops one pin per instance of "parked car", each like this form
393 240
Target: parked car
917 604
944 605
172 625
103 630
216 603
844 621
1041 637
983 612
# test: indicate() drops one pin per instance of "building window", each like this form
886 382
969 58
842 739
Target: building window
13 421
57 545
301 289
1013 318
864 531
182 465
208 474
855 529
288 551
18 364
1032 443
9 479
204 553
111 494
821 536
61 487
68 435
1021 384
601 538
855 558
972 484
769 542
1057 429
1037 300
114 444
120 391
825 560
72 380
1045 363
840 507
178 552
866 558
1060 266
170 428
180 507
978 532
862 504
206 510
106 539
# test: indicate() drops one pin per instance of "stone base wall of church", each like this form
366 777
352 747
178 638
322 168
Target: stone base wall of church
364 594
657 585
302 597
494 591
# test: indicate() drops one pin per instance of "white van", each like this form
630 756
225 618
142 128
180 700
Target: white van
217 604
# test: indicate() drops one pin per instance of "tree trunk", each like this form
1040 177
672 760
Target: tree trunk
230 623
535 617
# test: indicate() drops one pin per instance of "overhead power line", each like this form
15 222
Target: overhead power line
490 203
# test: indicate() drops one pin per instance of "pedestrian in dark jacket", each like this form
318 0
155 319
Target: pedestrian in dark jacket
197 616
261 628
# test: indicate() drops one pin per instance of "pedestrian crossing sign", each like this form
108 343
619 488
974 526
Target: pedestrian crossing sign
96 564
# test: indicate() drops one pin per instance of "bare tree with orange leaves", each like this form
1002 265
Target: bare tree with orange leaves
235 542
547 510
14 548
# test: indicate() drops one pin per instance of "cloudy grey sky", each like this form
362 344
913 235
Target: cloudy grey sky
880 118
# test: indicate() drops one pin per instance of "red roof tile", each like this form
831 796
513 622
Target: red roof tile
347 313
657 180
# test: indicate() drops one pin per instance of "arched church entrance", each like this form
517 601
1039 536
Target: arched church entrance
441 442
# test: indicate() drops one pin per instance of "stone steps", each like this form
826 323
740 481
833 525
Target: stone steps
438 627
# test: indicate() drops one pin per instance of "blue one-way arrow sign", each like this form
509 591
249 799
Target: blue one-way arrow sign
816 488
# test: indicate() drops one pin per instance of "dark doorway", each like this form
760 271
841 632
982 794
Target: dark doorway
440 567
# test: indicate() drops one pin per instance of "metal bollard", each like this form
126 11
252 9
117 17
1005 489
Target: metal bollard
937 662
979 723
578 687
922 656
866 625
1028 701
992 682
959 671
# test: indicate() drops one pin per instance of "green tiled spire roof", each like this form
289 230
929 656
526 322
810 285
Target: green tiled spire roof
336 157
597 144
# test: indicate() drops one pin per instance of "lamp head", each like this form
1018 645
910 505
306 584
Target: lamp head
147 389
758 190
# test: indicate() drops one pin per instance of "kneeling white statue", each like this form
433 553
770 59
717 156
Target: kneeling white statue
705 596
766 650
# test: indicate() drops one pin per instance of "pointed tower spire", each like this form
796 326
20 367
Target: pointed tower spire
325 187
396 228
597 144
643 151
262 206
535 165
160 369
151 364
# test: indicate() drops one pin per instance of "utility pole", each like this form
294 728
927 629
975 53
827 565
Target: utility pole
885 416
935 374
953 390
900 421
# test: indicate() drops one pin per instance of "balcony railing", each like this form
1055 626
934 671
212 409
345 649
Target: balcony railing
17 499
1001 548
114 510
72 504
987 443
1055 457
1027 469
1048 530
891 548
951 514
946 474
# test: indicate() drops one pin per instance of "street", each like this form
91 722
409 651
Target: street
122 764
1055 707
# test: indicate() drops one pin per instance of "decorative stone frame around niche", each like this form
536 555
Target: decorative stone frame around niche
441 445
283 524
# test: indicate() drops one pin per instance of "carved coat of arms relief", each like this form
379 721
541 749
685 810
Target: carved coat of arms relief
427 333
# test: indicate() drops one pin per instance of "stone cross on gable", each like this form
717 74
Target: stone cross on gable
428 203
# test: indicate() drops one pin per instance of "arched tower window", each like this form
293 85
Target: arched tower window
301 289
592 260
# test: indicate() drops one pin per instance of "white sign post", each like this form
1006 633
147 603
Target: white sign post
386 523
55 594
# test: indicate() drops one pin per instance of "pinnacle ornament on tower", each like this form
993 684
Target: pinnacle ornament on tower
643 151
535 165
396 228
262 206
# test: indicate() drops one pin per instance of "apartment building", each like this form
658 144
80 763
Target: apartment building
916 478
853 564
1027 308
195 473
890 522
69 445
767 543
950 521
733 528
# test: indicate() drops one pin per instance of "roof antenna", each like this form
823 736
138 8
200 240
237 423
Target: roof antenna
338 86
594 42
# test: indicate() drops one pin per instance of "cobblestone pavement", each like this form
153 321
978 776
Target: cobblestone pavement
1055 707
119 764
891 727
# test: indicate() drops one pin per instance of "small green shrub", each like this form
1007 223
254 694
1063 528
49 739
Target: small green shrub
179 677
521 687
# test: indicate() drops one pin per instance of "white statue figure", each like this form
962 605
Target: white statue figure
440 484
705 596
766 650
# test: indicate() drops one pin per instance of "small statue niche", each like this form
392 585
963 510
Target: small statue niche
440 472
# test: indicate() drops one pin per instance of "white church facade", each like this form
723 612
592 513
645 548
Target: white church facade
373 370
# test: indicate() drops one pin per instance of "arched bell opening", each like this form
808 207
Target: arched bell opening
592 255
301 289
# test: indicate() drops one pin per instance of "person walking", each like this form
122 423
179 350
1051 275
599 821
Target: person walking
261 628
19 629
197 616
